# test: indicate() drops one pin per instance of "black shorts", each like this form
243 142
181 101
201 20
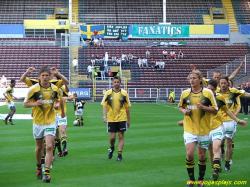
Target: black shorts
117 126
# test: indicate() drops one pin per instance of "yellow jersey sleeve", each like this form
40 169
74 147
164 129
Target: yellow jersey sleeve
30 82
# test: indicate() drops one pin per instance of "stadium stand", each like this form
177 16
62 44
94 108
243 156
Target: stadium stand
203 57
241 10
16 11
144 11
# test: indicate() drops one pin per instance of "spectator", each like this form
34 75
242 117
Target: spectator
106 70
171 96
3 82
92 59
106 58
97 59
147 54
144 62
139 62
156 66
118 61
114 60
180 54
110 74
123 60
118 73
89 70
96 42
95 34
75 64
164 54
161 65
130 58
95 72
152 62
101 44
91 42
120 34
172 55
102 68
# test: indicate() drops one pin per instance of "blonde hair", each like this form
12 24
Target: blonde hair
198 73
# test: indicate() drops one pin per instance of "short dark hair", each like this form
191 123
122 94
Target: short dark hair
115 77
212 82
58 78
44 69
12 81
224 77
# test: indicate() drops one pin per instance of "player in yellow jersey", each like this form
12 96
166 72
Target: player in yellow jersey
197 104
217 74
116 114
44 98
229 125
62 122
10 102
216 129
29 82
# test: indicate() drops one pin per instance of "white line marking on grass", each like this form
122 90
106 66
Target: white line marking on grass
17 116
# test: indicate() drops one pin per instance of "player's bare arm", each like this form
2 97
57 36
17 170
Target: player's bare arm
184 111
32 104
128 116
56 72
104 114
206 108
233 75
240 122
29 70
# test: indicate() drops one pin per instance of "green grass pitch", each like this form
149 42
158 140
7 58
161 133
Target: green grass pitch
154 152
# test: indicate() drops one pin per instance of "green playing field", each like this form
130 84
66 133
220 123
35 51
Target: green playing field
154 152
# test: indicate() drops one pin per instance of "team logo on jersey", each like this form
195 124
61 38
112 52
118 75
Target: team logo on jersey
40 96
111 97
188 101
229 101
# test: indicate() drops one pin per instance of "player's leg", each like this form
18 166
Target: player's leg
11 114
120 145
228 154
64 139
38 154
216 159
211 154
82 120
48 158
190 149
111 128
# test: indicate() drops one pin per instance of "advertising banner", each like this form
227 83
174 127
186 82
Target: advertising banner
160 31
112 30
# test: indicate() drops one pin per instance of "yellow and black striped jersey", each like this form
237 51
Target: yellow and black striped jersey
44 114
198 121
217 119
79 103
30 82
231 100
116 103
64 94
9 94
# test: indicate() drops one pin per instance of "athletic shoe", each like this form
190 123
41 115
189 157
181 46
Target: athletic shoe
46 178
59 154
215 175
5 121
65 152
119 158
190 183
53 158
231 162
10 122
39 174
110 155
227 168
82 124
200 183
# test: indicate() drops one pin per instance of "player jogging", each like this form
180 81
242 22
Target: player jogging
10 102
78 107
44 98
116 114
197 104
